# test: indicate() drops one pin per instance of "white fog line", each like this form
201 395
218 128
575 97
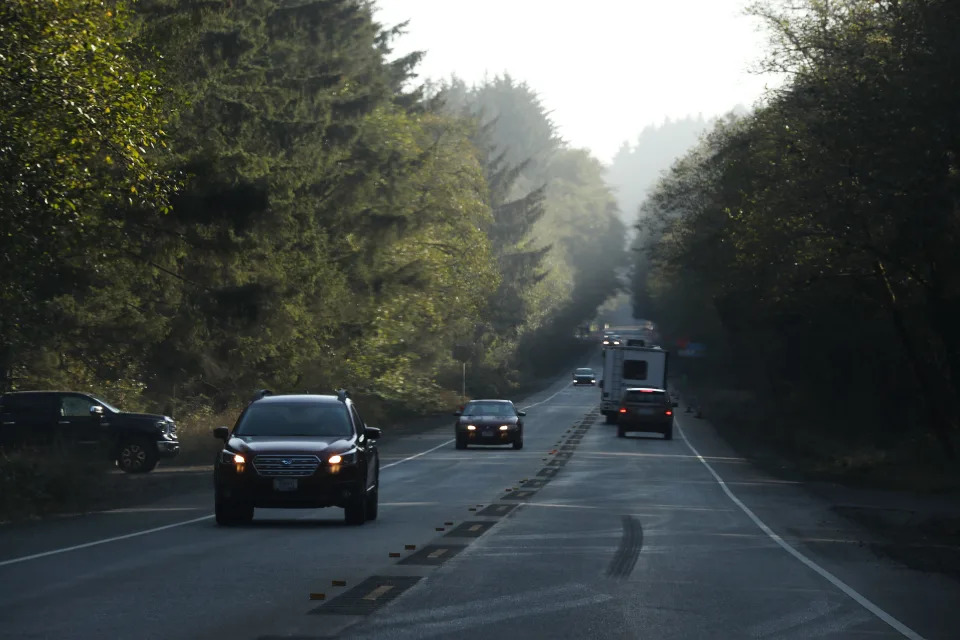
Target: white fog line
54 552
901 628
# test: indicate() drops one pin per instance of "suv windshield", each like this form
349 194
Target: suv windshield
584 372
645 397
488 409
294 419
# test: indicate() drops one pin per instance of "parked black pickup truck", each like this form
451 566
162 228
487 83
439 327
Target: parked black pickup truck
41 418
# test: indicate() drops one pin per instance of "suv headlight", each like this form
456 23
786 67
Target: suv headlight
343 458
232 457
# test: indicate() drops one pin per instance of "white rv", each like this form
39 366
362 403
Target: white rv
629 366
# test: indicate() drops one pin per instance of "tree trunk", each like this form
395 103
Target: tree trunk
942 422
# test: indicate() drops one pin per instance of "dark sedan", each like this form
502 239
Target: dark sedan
298 451
489 422
584 375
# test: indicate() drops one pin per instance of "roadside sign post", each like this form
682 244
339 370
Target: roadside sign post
462 353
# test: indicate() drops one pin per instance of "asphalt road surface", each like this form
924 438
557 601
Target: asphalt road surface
578 535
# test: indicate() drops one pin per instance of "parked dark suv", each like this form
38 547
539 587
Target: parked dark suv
299 452
645 409
41 418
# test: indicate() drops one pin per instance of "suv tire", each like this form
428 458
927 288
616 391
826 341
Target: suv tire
461 441
355 511
373 503
621 432
518 443
668 433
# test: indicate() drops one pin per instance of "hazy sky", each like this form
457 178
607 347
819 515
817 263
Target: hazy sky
606 68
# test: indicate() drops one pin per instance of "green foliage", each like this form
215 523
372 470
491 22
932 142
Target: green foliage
80 125
817 237
328 226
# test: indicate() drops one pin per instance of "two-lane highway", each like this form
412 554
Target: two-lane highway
579 535
166 571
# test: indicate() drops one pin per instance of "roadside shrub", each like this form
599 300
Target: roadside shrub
34 482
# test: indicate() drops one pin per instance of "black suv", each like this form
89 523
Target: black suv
300 452
41 418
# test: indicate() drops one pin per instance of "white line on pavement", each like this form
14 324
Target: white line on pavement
4 563
901 628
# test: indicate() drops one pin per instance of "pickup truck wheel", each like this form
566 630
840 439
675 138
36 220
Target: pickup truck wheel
355 513
137 455
461 441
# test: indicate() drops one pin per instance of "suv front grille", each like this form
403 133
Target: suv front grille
274 466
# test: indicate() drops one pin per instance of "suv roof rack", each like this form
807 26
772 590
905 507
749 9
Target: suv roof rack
342 395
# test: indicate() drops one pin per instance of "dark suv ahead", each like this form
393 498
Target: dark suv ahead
299 452
645 409
41 418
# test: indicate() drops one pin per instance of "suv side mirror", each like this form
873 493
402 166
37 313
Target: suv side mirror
521 413
372 432
458 413
222 433
96 411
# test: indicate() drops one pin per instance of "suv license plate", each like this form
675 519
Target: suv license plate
487 434
284 484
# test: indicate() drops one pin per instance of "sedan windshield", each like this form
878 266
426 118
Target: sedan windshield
489 409
295 419
584 372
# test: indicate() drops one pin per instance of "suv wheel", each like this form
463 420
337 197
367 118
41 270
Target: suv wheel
518 443
355 512
461 441
137 456
231 513
621 432
373 502
668 434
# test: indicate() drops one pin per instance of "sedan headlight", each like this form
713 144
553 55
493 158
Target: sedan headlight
504 427
471 427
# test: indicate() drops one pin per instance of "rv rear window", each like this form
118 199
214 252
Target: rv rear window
635 369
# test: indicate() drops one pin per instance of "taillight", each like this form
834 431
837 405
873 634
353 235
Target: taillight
669 413
623 410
